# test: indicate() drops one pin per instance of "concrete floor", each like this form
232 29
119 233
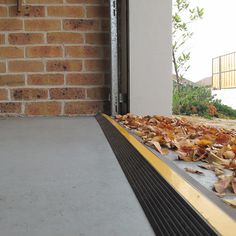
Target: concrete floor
59 177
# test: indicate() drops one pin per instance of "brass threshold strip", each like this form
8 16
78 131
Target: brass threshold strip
213 214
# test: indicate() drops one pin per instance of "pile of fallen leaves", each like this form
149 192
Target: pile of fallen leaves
215 146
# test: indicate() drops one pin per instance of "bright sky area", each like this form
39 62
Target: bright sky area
214 35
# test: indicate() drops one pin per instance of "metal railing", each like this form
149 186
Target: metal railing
224 71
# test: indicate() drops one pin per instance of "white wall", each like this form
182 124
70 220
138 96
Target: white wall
150 57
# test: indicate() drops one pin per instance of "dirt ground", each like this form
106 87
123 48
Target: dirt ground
216 122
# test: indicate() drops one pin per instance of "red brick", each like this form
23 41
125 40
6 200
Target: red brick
2 38
2 67
7 1
66 11
53 57
43 109
28 11
25 38
65 38
99 93
83 52
3 11
12 80
97 65
44 1
11 52
42 25
83 108
29 94
10 107
46 79
44 51
85 79
81 24
106 25
84 1
98 38
107 79
64 65
3 94
25 66
67 93
97 11
107 52
11 24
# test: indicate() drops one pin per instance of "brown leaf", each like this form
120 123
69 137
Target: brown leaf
157 146
221 195
208 166
165 151
152 128
234 185
184 156
139 133
233 148
222 184
231 165
212 157
219 172
222 138
158 139
218 169
229 155
193 171
191 142
186 146
204 142
153 121
118 117
231 202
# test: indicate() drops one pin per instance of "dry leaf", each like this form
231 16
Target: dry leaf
159 139
153 121
223 138
216 146
165 151
231 202
190 170
218 169
233 148
152 128
223 183
234 185
191 142
231 165
204 142
212 157
208 166
218 172
157 146
221 195
229 155
184 156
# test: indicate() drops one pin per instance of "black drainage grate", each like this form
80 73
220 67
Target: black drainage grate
166 210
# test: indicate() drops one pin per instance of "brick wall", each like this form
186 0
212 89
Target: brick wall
54 57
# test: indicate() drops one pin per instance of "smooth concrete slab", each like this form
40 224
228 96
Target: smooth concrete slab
59 177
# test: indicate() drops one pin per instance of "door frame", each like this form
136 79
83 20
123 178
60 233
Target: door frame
119 24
